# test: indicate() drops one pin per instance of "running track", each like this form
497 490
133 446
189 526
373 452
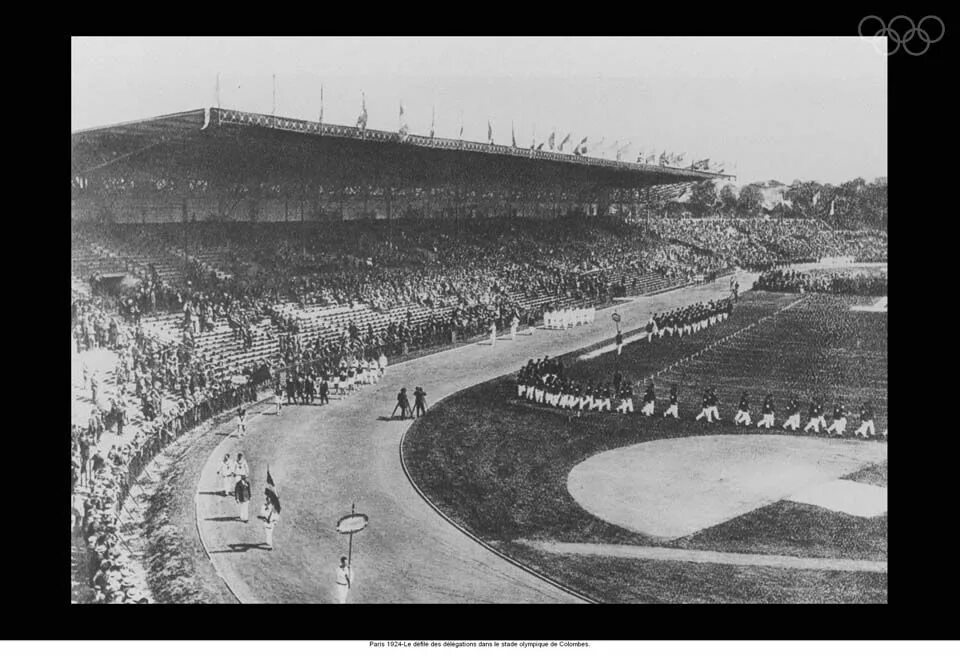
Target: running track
324 458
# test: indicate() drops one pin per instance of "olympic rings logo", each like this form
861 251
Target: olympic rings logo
912 35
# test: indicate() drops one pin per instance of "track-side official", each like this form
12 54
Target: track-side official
344 580
242 494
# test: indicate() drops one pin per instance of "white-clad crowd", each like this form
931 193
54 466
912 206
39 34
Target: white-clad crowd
568 318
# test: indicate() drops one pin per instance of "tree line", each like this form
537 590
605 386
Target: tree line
853 204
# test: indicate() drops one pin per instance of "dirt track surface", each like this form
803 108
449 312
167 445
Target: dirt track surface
324 458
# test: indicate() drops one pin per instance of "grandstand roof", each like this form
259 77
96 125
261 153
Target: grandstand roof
228 143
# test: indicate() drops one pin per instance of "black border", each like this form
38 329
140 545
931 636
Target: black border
919 89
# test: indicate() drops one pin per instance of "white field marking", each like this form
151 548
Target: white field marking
716 557
847 497
613 347
879 306
668 489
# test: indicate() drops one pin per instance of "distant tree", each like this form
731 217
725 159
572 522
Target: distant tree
728 199
804 196
751 200
703 198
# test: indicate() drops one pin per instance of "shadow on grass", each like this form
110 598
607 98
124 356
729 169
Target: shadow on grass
233 518
214 493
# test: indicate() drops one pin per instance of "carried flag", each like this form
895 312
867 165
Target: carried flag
433 121
272 492
321 104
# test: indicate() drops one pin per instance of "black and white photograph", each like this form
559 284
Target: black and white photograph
481 320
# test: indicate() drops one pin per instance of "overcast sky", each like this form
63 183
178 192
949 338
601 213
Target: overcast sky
781 108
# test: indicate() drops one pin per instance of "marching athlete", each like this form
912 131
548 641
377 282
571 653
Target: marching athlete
816 417
673 408
767 421
793 412
839 419
866 421
743 412
626 398
649 400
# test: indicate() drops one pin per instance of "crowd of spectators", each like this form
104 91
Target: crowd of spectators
856 283
759 243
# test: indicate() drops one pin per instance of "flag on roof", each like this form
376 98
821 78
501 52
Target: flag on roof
550 140
362 119
489 131
565 140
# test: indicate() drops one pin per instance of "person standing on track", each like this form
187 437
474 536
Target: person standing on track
514 322
768 420
419 404
619 341
278 399
241 422
270 515
344 580
225 472
493 332
793 418
402 404
240 467
241 493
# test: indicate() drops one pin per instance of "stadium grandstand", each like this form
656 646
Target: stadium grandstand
219 254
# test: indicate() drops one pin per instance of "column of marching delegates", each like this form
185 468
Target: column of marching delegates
545 381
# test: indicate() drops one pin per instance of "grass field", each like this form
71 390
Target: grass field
624 580
500 468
